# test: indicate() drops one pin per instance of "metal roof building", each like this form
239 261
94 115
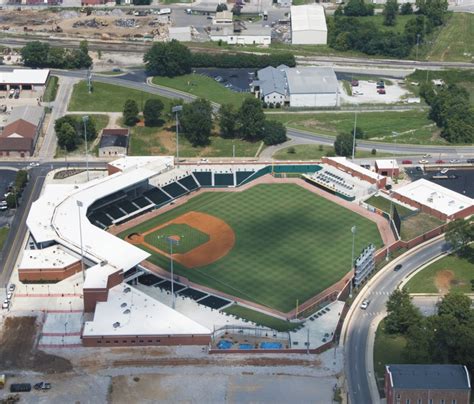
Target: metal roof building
308 25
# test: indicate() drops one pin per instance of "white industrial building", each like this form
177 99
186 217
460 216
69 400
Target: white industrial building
297 87
251 35
308 25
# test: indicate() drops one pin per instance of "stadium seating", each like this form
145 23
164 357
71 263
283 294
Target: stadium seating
114 212
100 219
223 179
192 293
157 196
142 202
214 302
189 183
174 189
127 207
204 178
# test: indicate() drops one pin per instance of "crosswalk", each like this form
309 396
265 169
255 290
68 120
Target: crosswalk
380 293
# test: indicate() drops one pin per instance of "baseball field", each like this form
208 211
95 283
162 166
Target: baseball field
272 244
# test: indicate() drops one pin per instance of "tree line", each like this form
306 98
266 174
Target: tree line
173 59
70 131
451 110
38 54
21 179
348 32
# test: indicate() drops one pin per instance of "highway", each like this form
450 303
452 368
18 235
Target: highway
359 324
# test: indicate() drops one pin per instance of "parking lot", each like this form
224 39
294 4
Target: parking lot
6 177
26 97
366 93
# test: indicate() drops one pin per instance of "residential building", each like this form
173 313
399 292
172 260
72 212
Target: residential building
114 142
308 25
427 384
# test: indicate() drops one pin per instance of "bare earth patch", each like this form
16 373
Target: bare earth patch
444 280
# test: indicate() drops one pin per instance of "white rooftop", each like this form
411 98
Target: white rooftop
50 257
98 275
135 313
129 163
435 196
308 17
24 76
356 167
386 164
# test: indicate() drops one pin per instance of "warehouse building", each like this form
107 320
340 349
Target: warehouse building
235 34
308 25
24 79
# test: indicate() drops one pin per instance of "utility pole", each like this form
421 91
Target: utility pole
89 80
175 110
85 118
417 45
354 136
172 242
79 206
353 231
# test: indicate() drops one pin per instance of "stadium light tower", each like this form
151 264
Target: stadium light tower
175 110
172 242
79 206
85 118
353 231
354 137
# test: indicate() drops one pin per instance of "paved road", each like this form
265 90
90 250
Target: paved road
359 326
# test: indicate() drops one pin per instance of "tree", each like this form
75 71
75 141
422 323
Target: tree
343 144
406 9
274 132
401 313
221 7
435 10
457 305
196 122
168 59
130 113
228 121
390 12
459 233
152 111
35 54
359 133
358 8
12 200
251 119
67 136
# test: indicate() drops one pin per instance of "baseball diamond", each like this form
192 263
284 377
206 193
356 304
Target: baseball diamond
290 244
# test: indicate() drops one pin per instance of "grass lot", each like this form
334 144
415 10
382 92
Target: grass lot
189 238
202 86
284 247
51 89
384 204
455 41
314 152
101 121
410 126
162 140
398 27
388 349
108 98
260 318
3 236
417 225
452 272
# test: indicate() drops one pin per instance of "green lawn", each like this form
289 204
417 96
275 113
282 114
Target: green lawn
260 318
108 98
384 204
189 238
162 141
457 273
410 126
316 152
417 225
202 86
51 89
455 41
284 248
399 24
388 350
3 236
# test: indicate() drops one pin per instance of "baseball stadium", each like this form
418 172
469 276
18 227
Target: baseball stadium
235 239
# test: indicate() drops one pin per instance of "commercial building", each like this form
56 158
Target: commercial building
21 131
223 18
430 384
297 87
435 200
235 34
114 142
24 79
389 168
308 25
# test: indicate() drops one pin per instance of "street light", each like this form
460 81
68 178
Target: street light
417 44
172 242
175 110
354 136
85 118
353 231
79 206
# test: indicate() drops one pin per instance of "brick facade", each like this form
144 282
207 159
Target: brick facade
48 274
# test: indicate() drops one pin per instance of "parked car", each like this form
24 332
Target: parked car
381 91
355 83
423 161
42 386
407 162
9 295
380 84
34 164
12 287
470 161
444 170
6 304
426 156
397 267
440 161
453 161
365 304
20 387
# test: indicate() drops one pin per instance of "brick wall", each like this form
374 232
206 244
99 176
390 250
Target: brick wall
48 274
142 340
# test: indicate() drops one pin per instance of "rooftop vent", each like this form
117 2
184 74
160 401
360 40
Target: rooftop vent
123 305
127 311
116 324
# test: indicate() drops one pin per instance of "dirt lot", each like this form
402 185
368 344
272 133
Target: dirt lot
18 348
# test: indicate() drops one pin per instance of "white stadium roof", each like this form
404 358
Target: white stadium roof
355 167
308 17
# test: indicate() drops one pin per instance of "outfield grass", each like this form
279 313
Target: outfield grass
3 236
284 249
51 89
260 318
417 225
457 271
382 203
316 152
162 141
455 41
410 126
202 86
108 98
388 350
189 238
